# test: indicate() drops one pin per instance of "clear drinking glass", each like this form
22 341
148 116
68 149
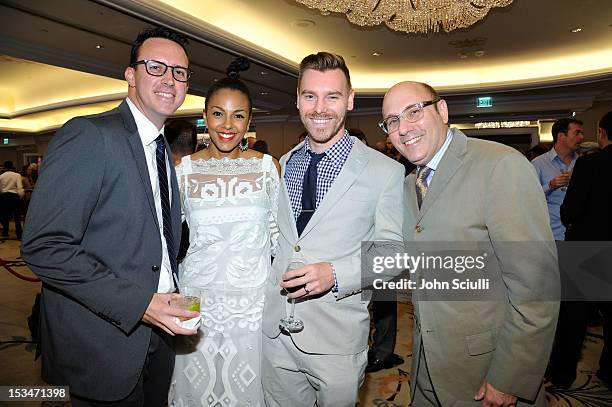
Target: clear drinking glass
564 188
189 300
290 323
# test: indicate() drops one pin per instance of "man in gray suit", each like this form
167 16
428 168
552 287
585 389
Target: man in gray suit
101 234
337 192
493 351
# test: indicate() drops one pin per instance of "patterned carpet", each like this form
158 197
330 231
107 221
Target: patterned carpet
391 388
387 388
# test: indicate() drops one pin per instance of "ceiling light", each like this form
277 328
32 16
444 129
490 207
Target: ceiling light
376 53
99 46
479 53
576 30
262 73
263 93
412 17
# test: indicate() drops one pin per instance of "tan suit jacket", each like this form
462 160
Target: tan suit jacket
486 192
363 204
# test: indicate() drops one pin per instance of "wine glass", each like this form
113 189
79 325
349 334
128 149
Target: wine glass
565 172
291 324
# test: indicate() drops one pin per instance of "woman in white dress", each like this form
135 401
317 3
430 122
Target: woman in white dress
229 199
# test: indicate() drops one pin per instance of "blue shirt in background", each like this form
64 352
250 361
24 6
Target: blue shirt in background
548 166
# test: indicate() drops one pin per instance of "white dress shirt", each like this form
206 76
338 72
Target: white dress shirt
435 160
10 181
148 133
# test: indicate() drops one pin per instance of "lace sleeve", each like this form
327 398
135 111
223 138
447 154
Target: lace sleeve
272 188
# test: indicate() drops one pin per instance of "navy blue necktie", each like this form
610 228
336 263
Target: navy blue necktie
162 175
309 192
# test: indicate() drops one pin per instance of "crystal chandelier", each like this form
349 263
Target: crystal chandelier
412 16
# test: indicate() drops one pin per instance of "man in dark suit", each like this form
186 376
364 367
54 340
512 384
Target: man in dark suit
586 216
101 234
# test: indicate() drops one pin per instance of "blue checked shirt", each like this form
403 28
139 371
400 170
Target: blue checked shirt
327 170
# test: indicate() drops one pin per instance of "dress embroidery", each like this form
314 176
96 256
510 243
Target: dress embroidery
230 206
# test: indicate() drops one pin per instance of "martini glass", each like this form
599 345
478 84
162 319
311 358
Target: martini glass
292 324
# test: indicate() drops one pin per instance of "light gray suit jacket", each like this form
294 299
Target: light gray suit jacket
487 192
363 204
92 236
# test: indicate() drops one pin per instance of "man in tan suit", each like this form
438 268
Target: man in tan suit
358 197
475 353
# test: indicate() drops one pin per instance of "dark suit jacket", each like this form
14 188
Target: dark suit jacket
92 237
585 211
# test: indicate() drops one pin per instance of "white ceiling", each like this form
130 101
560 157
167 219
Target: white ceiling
533 64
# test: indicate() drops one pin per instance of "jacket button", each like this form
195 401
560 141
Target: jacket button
418 228
155 268
297 248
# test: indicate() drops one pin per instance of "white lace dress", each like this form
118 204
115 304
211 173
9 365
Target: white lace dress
230 206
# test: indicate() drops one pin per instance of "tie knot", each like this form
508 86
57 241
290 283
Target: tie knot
159 140
315 158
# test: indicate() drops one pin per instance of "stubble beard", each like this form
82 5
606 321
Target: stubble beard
323 135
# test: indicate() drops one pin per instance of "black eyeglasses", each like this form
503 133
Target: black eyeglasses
411 114
156 68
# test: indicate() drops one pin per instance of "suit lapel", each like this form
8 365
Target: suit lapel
447 168
352 168
139 156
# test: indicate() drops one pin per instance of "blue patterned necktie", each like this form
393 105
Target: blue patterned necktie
162 175
309 192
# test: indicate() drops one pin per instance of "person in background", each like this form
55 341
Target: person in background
588 147
360 135
535 151
261 146
586 215
182 138
28 187
11 194
554 168
381 354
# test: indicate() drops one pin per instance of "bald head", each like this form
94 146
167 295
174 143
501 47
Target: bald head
420 126
421 91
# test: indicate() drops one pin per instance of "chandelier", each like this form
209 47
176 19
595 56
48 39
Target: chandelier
412 16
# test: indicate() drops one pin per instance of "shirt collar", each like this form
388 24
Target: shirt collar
336 153
146 129
552 155
435 160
